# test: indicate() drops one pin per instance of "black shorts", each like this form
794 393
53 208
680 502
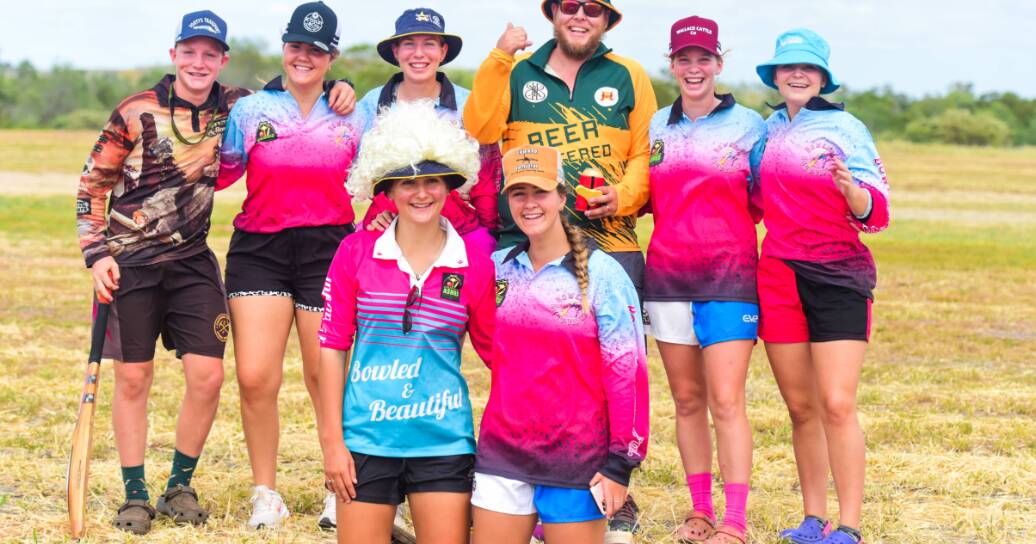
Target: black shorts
387 480
833 312
633 263
290 263
182 301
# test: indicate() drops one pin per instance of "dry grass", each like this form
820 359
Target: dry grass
947 398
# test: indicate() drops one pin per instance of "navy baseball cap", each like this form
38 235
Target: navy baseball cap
420 21
205 24
313 23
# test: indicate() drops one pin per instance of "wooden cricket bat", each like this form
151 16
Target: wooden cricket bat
82 437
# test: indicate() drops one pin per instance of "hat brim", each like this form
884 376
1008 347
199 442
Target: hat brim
305 38
423 169
766 70
539 182
453 42
224 44
614 15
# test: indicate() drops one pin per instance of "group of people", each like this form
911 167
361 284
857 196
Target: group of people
504 216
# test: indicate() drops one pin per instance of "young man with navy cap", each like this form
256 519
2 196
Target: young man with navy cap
142 211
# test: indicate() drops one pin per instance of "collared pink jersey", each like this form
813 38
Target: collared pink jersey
704 244
807 218
569 396
296 166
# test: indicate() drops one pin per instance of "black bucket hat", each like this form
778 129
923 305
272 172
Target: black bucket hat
420 21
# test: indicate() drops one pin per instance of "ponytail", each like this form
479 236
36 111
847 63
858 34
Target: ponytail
581 254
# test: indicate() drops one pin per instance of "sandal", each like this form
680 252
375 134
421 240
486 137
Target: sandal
134 516
696 528
726 535
181 504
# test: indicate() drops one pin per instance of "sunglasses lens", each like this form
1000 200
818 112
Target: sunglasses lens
569 8
592 10
408 322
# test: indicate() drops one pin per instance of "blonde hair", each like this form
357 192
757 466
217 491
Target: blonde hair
580 253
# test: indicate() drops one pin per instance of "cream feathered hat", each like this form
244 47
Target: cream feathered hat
411 140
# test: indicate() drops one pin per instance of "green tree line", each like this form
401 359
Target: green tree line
69 98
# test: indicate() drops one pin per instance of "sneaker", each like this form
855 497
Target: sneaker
268 508
623 524
812 530
181 504
328 518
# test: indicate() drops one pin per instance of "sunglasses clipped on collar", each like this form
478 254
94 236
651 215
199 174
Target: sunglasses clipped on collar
590 9
413 298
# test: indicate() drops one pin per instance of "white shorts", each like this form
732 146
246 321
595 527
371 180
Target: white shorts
672 322
517 498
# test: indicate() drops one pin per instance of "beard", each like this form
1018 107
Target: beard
577 52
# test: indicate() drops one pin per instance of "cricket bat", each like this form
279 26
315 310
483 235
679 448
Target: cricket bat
82 437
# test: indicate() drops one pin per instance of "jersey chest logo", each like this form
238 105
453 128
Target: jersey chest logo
657 153
501 291
451 286
265 132
534 92
607 97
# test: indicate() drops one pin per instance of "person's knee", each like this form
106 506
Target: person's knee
839 410
689 404
256 385
727 406
133 381
803 412
207 385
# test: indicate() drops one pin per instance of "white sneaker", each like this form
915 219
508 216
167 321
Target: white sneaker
268 508
328 519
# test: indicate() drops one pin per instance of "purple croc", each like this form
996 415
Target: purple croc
812 530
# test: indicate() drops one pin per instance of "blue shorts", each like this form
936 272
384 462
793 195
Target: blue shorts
517 498
703 323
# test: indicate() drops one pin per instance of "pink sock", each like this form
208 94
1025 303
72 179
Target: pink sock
737 499
701 493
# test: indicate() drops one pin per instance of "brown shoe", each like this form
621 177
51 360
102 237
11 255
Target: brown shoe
181 504
134 516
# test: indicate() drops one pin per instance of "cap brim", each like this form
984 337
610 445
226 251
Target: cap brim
454 44
226 47
540 182
305 38
424 169
766 70
614 15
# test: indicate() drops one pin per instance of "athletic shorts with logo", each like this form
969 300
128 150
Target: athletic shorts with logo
181 300
517 498
289 263
702 323
387 480
796 309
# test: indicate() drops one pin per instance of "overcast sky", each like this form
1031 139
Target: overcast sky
916 46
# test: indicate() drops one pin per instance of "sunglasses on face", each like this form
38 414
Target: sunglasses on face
411 299
590 9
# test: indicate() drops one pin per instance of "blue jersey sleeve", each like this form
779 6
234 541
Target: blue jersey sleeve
233 155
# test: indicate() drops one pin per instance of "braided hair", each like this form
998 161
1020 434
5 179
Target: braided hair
580 252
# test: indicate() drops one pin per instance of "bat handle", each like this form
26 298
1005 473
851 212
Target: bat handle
99 330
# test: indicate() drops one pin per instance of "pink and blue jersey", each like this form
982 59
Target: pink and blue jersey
704 245
808 221
296 166
405 395
569 393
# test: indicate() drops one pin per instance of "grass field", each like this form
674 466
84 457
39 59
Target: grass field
948 399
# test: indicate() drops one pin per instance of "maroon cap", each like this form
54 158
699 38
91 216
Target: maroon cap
694 32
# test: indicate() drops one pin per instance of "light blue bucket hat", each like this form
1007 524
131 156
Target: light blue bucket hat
799 46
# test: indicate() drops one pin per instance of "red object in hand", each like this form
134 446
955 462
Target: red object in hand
591 179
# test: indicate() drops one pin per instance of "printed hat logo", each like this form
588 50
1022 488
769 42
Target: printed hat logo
221 327
501 291
657 153
607 96
313 22
791 40
206 24
534 92
451 286
423 17
265 133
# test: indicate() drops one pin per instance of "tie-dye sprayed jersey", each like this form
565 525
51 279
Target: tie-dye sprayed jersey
704 244
808 221
405 395
161 188
296 166
569 394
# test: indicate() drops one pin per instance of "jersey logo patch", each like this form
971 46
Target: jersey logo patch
534 92
83 206
265 133
607 96
451 286
657 153
501 291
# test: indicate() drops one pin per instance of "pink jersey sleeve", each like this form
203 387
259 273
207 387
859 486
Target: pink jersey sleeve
338 325
379 204
484 193
482 307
